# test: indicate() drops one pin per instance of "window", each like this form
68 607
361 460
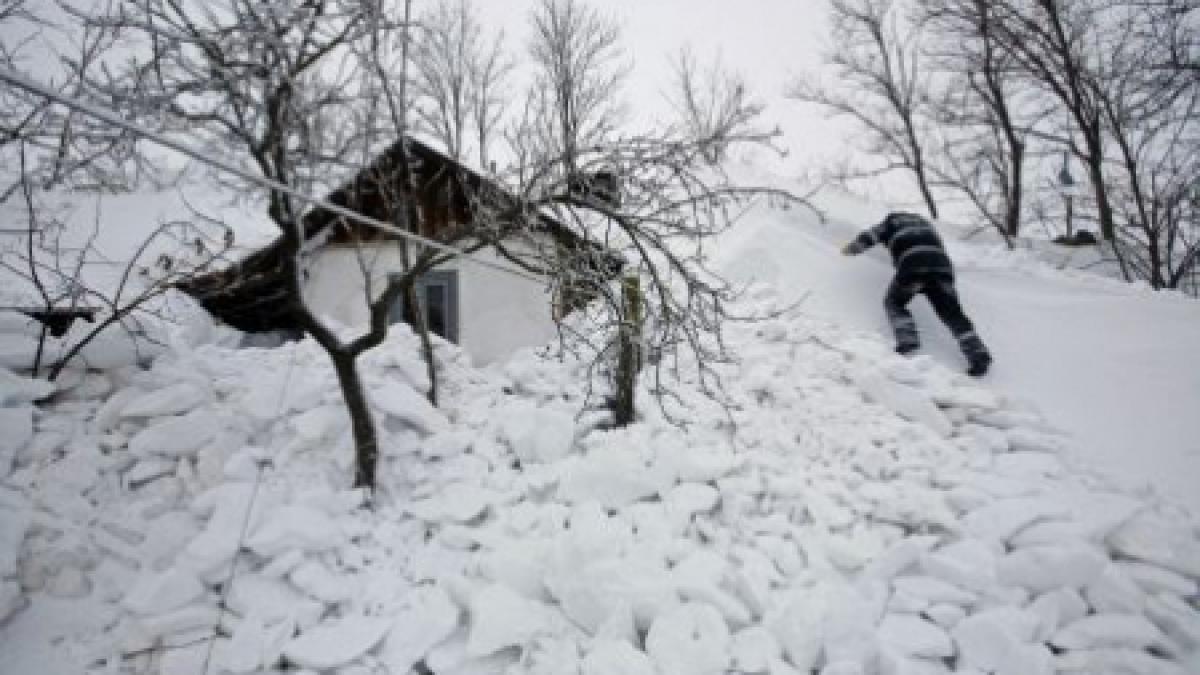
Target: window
437 294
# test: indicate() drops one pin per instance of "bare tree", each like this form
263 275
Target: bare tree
458 76
981 109
643 265
883 87
713 102
271 84
576 57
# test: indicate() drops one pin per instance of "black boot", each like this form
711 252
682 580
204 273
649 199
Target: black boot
977 366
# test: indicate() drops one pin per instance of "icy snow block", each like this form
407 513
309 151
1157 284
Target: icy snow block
16 390
428 617
1044 568
1154 579
501 618
14 524
911 635
1097 631
256 643
1028 440
177 436
691 639
590 595
1003 518
17 351
315 579
1092 661
320 423
11 599
17 425
337 642
173 400
538 434
613 479
933 590
753 648
1056 609
616 657
164 591
989 640
303 528
1154 540
1114 591
1179 620
907 402
402 402
456 503
272 600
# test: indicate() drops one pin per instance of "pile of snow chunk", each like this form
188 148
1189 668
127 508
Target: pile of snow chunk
854 512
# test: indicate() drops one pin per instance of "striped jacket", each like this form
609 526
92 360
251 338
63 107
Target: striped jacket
912 240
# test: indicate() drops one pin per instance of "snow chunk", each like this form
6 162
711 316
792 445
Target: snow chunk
754 648
457 502
315 579
428 618
295 527
691 639
1090 661
590 595
400 401
611 478
177 436
16 390
162 592
1003 518
1056 609
17 424
616 657
1113 591
907 402
272 600
332 644
1157 541
1034 441
989 639
1044 568
500 618
11 599
1155 579
538 434
913 636
1109 630
173 400
933 590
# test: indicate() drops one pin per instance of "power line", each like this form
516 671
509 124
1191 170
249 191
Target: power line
110 117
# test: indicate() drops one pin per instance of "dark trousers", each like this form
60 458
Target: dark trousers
938 286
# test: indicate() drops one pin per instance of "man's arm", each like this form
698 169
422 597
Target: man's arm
866 239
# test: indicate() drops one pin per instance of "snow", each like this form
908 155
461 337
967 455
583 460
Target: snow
336 643
691 639
851 511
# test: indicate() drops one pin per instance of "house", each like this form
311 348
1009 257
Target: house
488 312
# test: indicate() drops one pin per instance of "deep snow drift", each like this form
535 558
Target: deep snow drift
1114 365
852 512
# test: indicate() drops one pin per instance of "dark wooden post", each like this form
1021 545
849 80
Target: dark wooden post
629 346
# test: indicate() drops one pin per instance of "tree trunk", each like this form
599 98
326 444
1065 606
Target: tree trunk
422 327
362 422
629 357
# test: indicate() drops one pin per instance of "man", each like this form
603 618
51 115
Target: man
922 266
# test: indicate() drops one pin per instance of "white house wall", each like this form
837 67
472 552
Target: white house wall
498 313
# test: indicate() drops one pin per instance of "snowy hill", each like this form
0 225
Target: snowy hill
1114 365
855 511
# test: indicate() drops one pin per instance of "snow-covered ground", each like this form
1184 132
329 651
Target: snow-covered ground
853 512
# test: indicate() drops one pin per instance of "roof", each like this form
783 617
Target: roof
251 294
